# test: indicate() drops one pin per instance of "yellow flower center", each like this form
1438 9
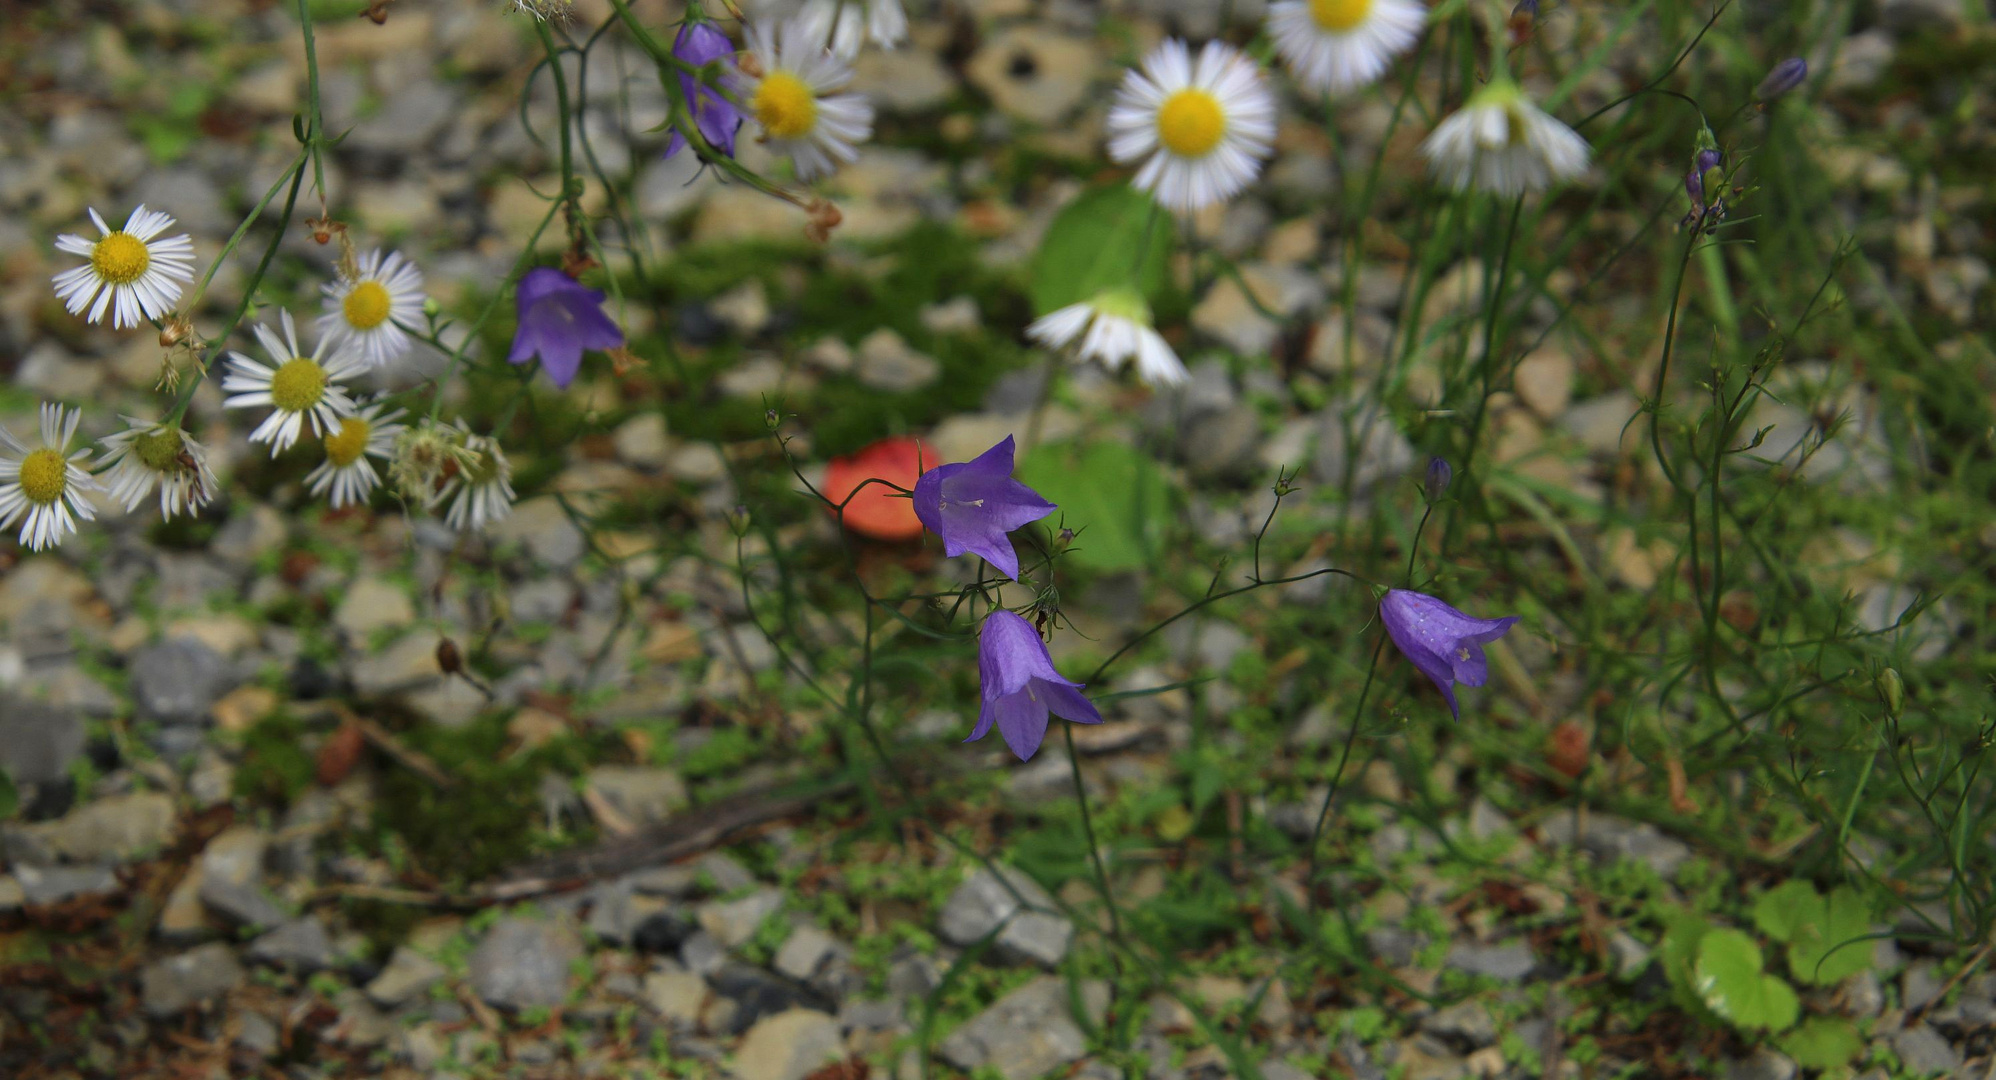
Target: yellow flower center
345 446
298 385
44 476
1190 123
366 307
1339 15
785 106
120 258
159 450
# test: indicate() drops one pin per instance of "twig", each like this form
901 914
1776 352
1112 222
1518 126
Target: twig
414 760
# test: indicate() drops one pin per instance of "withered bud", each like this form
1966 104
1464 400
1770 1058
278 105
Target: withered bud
176 330
575 262
622 359
824 218
449 660
377 12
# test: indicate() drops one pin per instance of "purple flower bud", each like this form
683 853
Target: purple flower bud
1020 686
1437 481
1786 76
1444 643
1694 180
973 505
700 44
559 318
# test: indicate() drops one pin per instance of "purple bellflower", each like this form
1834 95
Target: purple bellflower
1435 484
700 44
1021 687
1444 643
559 318
1783 77
972 505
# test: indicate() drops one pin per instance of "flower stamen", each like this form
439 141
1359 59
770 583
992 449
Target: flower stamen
297 386
120 258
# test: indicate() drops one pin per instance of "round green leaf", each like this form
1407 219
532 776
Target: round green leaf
1732 984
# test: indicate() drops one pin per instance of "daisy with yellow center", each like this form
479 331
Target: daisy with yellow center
148 454
302 391
42 487
1338 45
377 308
1502 143
1201 128
131 273
792 99
371 432
482 490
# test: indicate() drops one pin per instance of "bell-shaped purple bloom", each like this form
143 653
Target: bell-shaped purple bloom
1783 77
1444 643
1021 687
700 44
559 318
973 504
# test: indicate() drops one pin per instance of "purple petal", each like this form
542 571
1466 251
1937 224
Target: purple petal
562 360
540 282
1021 720
1445 644
996 461
1000 500
1066 702
1010 654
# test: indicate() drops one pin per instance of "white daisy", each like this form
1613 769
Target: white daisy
482 491
44 484
1502 143
1112 327
148 453
302 390
1204 126
377 308
1339 45
129 272
789 99
370 432
844 25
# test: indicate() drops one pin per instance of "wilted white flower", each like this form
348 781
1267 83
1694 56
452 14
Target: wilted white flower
148 454
1502 143
1113 327
482 491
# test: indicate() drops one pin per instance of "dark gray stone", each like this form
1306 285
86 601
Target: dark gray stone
1765 1063
1032 933
54 884
1466 1025
1505 963
170 986
523 964
37 741
1608 838
176 681
1924 1052
301 945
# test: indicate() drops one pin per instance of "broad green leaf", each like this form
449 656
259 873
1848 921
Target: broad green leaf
1094 244
1833 946
1683 929
1822 1043
1733 985
1109 493
1780 911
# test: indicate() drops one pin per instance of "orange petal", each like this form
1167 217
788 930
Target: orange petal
878 511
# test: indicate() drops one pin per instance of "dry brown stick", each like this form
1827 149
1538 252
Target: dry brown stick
415 760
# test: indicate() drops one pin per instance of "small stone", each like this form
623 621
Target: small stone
371 605
42 885
1505 963
642 441
734 922
37 741
887 364
788 1046
1032 74
170 986
678 996
1227 311
1919 985
744 307
756 993
902 80
301 945
1631 956
1607 838
1466 1024
408 974
1863 995
12 895
702 953
1765 1063
1544 382
1378 451
1223 443
115 829
983 902
802 952
544 528
956 316
243 903
1028 1032
1924 1052
643 795
523 964
176 681
257 1033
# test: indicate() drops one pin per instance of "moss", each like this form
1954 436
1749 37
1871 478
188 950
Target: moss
275 765
486 820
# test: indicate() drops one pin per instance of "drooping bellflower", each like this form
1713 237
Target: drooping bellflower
1435 484
1020 686
1444 643
559 318
973 504
700 44
1785 76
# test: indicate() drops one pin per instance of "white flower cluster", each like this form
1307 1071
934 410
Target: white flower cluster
372 316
